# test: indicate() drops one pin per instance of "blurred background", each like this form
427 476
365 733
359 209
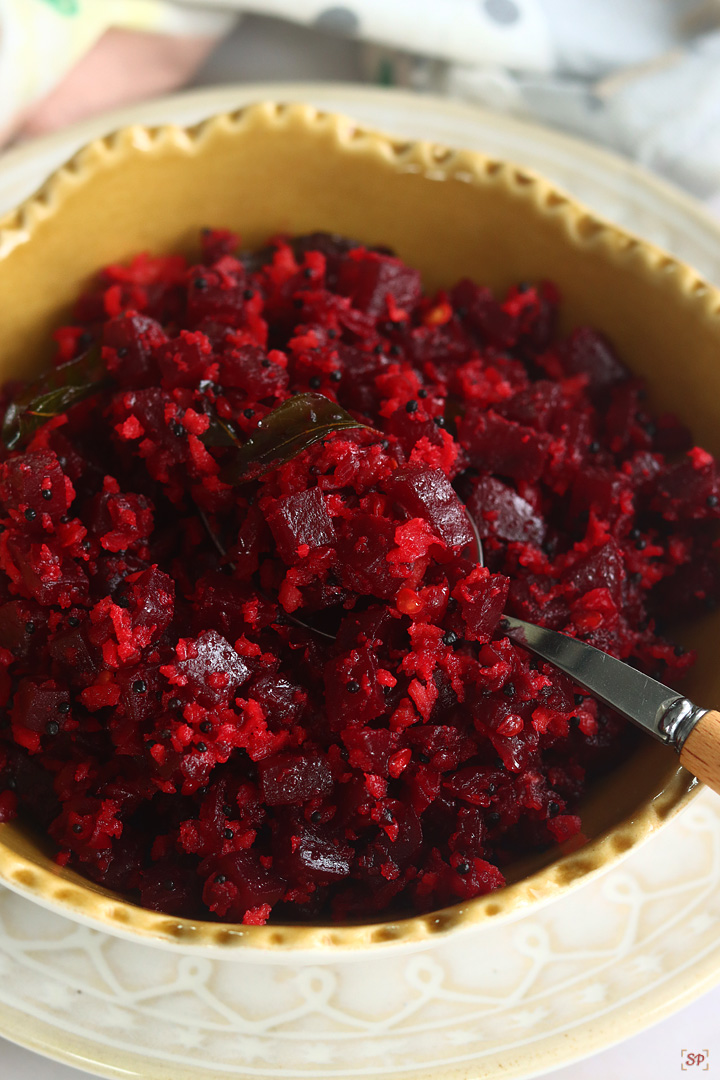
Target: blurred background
640 76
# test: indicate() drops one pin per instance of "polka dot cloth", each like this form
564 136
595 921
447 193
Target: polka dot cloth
504 12
340 20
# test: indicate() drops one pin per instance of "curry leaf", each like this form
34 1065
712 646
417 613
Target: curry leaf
285 432
52 394
221 432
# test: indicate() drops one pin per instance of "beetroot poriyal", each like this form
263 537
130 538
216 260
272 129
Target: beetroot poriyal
251 659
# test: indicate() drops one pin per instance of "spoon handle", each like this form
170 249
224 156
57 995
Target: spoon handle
701 750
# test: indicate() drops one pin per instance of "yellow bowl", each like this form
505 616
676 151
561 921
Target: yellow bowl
270 169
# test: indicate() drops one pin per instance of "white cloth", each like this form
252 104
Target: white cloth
641 76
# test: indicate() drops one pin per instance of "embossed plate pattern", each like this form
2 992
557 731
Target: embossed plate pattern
580 974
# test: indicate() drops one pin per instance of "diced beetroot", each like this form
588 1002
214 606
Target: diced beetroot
576 429
332 247
445 746
217 293
408 428
151 598
353 694
690 592
530 598
166 886
475 785
239 884
363 545
309 853
35 480
482 599
118 520
689 489
671 436
588 352
371 749
536 405
130 341
300 524
253 539
602 568
471 836
428 493
151 414
538 313
623 425
112 572
606 491
500 511
8 806
494 444
75 654
294 778
207 669
33 786
284 702
216 243
219 603
252 370
35 706
359 372
23 628
401 834
517 752
373 627
483 877
139 687
564 826
484 314
368 278
41 570
183 360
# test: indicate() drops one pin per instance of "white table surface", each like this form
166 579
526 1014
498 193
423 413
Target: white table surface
267 50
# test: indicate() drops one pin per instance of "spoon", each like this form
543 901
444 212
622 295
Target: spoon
662 712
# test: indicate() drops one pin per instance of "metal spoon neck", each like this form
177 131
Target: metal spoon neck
677 721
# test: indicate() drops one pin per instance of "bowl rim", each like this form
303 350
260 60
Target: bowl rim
67 892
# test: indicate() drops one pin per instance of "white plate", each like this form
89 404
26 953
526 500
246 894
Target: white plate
575 977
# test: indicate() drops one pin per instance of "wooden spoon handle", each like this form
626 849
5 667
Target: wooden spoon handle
701 752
